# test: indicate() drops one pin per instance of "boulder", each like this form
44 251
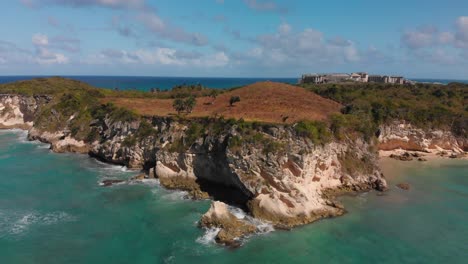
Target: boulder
403 157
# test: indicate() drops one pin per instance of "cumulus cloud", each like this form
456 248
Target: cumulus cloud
430 36
10 53
138 11
156 25
305 47
158 56
43 54
461 35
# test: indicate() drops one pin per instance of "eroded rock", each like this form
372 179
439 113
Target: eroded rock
232 229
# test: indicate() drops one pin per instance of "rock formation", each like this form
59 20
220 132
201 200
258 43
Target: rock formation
231 229
271 171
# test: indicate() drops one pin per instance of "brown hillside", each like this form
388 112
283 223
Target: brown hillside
265 102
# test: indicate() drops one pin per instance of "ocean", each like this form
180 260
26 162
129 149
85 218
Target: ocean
53 210
164 83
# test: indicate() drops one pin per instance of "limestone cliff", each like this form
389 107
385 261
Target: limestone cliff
402 135
272 171
276 174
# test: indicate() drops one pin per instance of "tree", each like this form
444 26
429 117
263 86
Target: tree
190 104
179 105
213 94
233 100
187 105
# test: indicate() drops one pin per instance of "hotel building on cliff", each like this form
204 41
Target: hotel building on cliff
353 77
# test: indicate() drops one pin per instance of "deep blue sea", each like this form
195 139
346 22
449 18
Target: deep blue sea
146 83
53 211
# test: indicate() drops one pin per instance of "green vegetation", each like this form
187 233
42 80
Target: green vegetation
316 131
145 130
369 105
50 86
233 100
184 105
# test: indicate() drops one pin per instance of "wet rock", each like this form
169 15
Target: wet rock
107 183
422 159
232 228
139 177
404 186
457 156
403 157
186 184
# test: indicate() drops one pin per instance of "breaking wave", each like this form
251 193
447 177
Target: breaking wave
209 236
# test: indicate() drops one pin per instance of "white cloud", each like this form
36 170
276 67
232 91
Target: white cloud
306 47
462 32
43 55
428 37
40 40
158 56
284 29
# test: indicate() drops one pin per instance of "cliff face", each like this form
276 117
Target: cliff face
19 111
269 170
401 135
274 173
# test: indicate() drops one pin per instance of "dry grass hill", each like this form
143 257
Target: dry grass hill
264 102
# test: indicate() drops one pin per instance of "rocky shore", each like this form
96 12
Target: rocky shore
270 171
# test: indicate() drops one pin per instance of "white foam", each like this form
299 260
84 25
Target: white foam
44 146
24 222
237 212
262 227
176 196
209 236
149 182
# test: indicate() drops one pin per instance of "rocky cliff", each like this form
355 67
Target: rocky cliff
271 171
402 135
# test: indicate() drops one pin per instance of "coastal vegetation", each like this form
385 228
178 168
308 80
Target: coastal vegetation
184 105
366 106
233 100
351 110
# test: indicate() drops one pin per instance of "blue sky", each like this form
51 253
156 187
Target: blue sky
234 38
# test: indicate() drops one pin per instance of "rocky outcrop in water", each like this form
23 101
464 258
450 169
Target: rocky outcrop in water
231 229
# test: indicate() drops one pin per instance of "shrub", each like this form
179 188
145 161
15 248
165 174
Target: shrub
314 130
233 100
184 105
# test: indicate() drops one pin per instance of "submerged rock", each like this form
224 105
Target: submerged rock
232 229
404 186
107 183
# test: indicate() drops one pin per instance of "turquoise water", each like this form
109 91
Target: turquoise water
52 210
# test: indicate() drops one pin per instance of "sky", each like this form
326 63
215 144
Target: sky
234 38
